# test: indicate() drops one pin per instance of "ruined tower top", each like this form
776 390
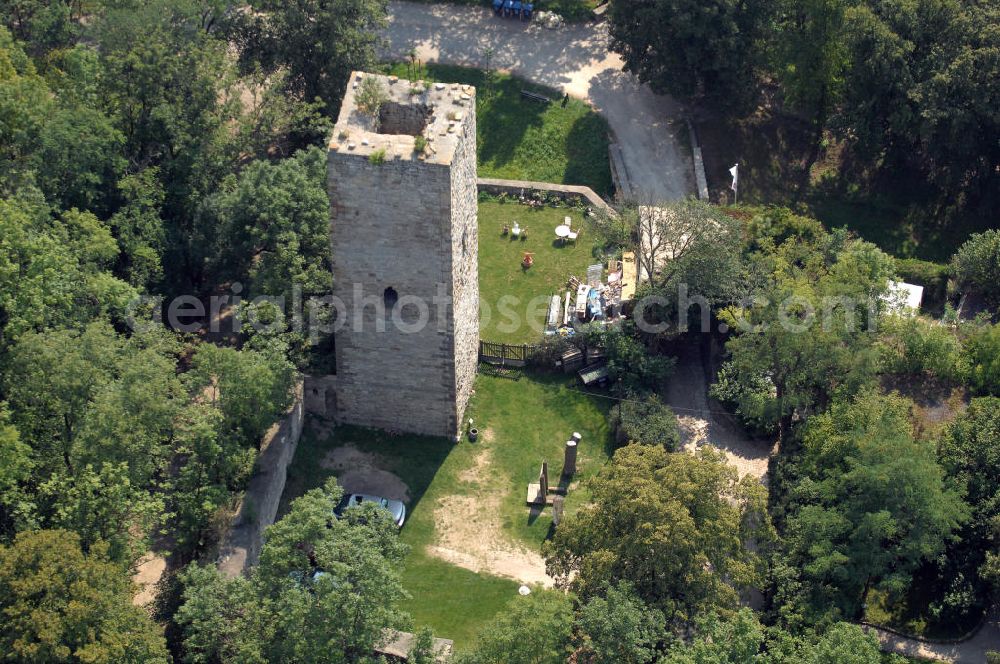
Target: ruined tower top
436 111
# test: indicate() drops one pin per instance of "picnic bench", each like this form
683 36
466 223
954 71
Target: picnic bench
534 96
595 373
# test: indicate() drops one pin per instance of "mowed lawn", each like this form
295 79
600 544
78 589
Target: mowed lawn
520 139
513 300
527 420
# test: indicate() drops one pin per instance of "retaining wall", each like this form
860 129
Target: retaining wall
571 191
240 549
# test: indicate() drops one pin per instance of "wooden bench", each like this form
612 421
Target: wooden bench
534 96
594 374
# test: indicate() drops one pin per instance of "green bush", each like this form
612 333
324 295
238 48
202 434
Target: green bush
419 144
982 351
645 419
977 264
916 345
631 366
932 276
377 158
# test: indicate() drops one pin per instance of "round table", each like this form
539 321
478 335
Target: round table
563 231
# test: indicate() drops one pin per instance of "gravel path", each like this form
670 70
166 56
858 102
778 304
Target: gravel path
575 59
703 421
972 651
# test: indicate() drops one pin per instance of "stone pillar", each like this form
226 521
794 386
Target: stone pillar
543 481
557 510
569 461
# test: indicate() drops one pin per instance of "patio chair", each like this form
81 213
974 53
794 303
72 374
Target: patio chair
497 7
573 235
526 10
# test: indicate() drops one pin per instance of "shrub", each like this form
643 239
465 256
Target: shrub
548 351
377 158
932 276
915 345
982 351
419 144
977 264
370 97
644 418
630 365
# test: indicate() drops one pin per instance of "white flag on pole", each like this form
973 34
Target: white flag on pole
735 172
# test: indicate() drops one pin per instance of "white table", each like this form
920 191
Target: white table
562 232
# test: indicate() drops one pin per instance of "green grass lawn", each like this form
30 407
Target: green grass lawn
520 139
526 421
501 274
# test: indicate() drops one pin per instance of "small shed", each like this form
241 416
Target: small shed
904 298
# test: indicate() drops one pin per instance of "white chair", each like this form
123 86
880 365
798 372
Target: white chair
516 231
572 236
568 221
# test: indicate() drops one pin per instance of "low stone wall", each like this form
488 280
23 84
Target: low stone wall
241 547
570 191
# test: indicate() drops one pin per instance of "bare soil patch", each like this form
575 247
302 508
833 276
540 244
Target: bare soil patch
147 575
359 472
469 534
478 472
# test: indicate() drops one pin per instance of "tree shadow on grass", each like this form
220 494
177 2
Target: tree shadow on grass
413 459
587 152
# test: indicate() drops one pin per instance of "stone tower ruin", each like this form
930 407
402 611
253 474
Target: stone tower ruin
404 240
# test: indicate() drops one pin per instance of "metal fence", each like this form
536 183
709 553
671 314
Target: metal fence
513 355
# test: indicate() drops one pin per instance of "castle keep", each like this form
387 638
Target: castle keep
404 242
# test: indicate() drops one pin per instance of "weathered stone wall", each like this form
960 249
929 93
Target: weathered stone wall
240 548
409 224
320 397
465 265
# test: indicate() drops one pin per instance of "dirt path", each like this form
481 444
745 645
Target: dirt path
147 575
469 532
575 59
358 472
704 421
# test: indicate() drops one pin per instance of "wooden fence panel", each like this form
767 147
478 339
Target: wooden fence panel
514 355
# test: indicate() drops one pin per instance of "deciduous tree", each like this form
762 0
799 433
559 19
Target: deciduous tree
60 604
675 526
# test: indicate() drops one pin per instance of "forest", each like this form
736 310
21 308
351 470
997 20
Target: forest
157 148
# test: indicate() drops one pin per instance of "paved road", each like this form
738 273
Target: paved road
574 59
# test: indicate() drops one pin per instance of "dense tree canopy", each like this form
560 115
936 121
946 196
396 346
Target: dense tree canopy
312 565
807 331
675 526
691 49
871 505
535 629
61 604
319 43
977 264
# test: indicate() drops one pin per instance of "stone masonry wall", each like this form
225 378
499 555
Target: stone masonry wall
241 547
465 270
408 224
